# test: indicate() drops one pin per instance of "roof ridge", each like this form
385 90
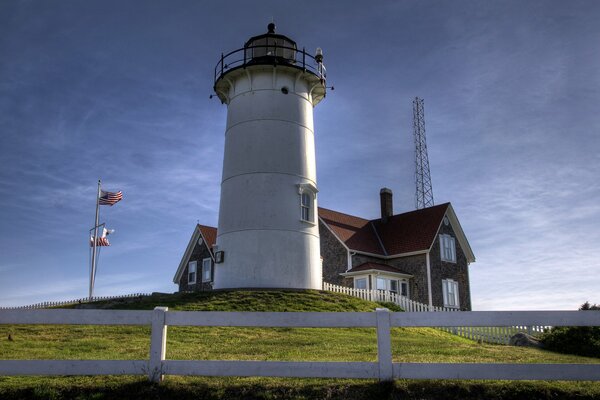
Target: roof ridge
339 212
385 253
207 226
414 211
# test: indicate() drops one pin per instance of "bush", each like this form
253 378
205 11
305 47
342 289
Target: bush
580 340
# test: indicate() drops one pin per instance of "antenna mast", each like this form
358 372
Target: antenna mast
424 193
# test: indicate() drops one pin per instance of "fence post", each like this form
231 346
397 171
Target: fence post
158 344
384 345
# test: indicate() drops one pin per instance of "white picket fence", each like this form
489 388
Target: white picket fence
49 304
385 296
493 334
383 369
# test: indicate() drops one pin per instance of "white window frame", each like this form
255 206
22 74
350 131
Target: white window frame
307 211
365 279
450 292
206 266
447 248
306 201
388 284
404 283
192 269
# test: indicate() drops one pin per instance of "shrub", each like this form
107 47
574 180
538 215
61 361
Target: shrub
580 340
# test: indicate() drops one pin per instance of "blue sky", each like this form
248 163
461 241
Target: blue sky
119 90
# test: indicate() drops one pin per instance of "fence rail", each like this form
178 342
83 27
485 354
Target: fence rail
488 334
384 369
48 304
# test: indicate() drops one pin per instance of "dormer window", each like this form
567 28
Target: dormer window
447 248
308 194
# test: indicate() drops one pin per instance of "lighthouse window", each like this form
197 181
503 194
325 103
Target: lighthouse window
285 90
306 206
308 196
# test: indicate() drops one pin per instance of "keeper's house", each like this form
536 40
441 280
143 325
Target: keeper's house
423 254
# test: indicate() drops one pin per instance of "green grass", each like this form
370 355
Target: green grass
247 300
226 343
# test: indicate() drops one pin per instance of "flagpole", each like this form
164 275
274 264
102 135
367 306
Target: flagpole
95 240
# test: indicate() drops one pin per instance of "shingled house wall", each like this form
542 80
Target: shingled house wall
335 258
199 253
458 271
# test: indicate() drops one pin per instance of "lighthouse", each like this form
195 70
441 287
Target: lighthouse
268 234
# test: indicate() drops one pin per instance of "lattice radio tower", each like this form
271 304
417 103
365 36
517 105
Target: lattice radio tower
424 193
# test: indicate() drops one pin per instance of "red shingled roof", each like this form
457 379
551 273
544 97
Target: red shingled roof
210 235
403 233
357 233
411 231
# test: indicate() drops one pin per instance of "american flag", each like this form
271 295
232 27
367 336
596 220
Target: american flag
101 241
110 198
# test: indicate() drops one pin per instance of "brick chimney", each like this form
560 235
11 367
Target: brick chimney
387 208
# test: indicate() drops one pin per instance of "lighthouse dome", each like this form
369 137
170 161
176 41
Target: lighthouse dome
271 47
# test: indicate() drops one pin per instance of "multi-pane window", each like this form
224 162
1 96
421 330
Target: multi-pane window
308 196
306 206
192 267
404 288
360 283
393 285
447 248
206 270
450 290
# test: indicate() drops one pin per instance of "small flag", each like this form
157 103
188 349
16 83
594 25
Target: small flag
101 241
110 198
106 232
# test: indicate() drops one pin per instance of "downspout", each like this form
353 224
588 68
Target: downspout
349 261
430 300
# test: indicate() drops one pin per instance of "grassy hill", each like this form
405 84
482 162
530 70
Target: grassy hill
274 344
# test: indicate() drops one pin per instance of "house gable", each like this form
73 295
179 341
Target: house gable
459 233
208 234
456 271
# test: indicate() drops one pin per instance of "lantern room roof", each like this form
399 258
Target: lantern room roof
271 35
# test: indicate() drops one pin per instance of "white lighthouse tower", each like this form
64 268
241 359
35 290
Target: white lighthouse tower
268 234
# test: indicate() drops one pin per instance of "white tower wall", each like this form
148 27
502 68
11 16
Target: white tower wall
269 159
